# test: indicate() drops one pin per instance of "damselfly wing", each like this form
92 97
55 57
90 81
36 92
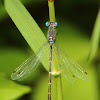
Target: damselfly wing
69 68
29 65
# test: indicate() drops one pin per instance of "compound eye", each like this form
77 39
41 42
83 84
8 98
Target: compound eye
56 23
47 23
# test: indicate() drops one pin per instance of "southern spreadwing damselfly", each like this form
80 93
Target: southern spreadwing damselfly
66 65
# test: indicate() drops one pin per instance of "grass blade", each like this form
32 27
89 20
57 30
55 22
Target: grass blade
95 38
26 25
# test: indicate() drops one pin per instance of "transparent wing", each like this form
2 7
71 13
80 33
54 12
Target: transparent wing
30 65
69 64
65 71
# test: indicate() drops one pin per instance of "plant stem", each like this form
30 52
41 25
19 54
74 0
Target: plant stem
51 10
58 87
56 69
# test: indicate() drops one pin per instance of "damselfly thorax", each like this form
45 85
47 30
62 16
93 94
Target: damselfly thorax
51 31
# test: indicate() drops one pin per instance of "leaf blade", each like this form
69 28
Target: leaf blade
26 25
95 38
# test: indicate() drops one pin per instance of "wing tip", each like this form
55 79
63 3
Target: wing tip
12 77
73 76
86 73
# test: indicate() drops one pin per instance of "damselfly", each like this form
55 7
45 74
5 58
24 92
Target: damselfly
65 65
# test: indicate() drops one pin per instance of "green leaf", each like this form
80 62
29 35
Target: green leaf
95 38
9 90
26 25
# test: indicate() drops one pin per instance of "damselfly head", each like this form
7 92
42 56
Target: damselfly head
51 23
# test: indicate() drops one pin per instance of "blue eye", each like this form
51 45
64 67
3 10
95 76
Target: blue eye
56 23
47 23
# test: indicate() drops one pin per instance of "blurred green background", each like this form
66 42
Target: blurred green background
75 24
